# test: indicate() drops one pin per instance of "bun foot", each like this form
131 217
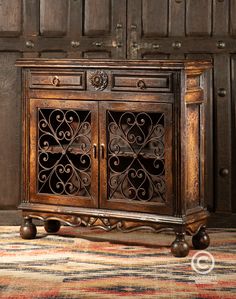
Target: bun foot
52 226
201 240
179 248
28 229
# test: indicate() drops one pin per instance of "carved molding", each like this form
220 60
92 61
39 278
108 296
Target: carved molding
194 228
193 83
106 224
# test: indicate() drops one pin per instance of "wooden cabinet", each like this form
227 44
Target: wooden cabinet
115 145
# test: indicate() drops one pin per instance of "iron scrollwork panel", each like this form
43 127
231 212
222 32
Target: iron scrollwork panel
64 152
136 156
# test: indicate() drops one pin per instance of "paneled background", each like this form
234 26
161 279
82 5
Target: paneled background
129 29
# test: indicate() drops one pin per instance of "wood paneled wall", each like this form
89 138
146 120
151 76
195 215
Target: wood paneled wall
132 29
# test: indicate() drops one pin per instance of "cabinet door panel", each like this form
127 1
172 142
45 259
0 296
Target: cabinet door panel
198 17
102 31
136 157
53 17
10 18
154 18
63 167
97 17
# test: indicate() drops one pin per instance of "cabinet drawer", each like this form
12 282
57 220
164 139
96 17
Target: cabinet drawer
62 80
140 82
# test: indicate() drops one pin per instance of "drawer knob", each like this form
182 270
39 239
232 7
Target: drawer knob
141 84
55 81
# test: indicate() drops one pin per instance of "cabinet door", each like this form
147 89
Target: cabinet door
136 157
63 162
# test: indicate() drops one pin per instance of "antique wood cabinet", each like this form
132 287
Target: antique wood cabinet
115 145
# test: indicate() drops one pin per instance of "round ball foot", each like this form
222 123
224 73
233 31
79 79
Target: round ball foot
201 240
28 230
180 247
52 226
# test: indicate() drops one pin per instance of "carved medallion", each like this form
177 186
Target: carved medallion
99 80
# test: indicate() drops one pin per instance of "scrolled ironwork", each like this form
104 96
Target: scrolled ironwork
136 156
64 152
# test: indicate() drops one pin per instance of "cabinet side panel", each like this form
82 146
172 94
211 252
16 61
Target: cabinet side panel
192 157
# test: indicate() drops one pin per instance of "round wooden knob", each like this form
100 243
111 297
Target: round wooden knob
56 81
141 84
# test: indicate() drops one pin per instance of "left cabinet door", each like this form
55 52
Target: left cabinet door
62 158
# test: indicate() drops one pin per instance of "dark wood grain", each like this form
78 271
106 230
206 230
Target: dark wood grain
154 18
232 18
53 17
31 17
223 139
220 17
176 18
10 17
10 110
97 17
198 17
233 72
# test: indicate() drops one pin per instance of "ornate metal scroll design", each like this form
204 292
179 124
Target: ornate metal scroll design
136 163
64 146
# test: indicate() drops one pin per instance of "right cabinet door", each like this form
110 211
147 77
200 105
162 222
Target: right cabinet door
136 146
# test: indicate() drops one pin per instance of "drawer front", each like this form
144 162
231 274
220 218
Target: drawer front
140 82
61 80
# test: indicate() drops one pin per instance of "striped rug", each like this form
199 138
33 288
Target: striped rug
83 263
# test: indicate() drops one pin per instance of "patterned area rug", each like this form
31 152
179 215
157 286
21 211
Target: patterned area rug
83 263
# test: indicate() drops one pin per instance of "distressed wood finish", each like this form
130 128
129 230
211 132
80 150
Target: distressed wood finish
197 30
128 29
123 149
10 90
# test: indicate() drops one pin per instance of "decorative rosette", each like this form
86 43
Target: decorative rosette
99 80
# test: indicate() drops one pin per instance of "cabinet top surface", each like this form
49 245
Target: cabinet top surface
120 64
